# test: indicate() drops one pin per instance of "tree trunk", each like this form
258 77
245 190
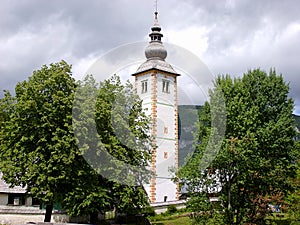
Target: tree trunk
48 214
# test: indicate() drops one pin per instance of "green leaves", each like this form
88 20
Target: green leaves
37 144
45 141
257 152
112 134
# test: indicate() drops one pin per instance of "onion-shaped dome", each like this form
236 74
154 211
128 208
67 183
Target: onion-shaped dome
155 50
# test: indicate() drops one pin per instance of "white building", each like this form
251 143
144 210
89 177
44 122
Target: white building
156 84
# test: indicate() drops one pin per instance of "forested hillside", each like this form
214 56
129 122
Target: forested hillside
188 115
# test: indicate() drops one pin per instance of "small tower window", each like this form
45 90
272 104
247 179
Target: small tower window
166 130
144 86
165 155
166 86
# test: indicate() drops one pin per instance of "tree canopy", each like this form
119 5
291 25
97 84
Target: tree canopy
38 147
112 132
43 126
257 154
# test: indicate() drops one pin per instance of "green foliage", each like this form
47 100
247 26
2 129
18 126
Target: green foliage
171 209
204 212
258 149
6 107
148 211
89 194
112 133
38 147
293 198
45 142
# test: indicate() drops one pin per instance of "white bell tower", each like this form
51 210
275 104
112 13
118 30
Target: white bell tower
156 84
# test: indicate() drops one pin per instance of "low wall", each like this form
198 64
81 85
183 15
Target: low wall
18 219
162 207
15 215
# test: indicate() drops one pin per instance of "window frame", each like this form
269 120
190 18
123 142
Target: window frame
144 84
166 86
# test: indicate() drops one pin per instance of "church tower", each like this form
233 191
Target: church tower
156 84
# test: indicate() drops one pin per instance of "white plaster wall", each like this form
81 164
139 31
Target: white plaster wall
166 142
165 188
166 119
164 185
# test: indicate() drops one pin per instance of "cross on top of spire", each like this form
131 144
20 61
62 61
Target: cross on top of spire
156 24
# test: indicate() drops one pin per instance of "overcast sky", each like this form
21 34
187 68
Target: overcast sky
228 36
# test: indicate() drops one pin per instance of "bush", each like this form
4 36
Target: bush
149 211
171 209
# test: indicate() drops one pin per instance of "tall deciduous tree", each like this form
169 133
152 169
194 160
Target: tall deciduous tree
112 133
38 147
90 193
88 152
258 151
6 107
123 130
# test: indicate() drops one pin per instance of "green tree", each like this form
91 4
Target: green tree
124 133
42 129
38 147
258 149
112 132
293 197
89 194
6 104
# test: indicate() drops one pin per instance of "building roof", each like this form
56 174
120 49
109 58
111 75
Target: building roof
4 187
155 64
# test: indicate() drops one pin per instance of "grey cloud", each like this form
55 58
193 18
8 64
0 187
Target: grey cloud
35 32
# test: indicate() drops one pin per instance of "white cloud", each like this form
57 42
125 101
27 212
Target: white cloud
81 66
194 38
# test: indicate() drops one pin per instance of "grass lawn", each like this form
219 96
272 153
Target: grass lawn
174 221
277 219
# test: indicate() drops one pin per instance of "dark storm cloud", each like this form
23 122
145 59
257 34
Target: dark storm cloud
233 22
249 34
35 32
239 34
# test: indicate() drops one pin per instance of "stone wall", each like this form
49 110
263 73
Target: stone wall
15 215
18 219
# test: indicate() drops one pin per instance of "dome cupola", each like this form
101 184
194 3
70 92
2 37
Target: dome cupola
155 49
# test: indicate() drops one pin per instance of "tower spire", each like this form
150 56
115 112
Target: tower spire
155 35
155 15
155 52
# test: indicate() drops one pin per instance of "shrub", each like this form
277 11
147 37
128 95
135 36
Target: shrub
149 211
171 209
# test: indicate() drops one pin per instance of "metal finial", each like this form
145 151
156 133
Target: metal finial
156 6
